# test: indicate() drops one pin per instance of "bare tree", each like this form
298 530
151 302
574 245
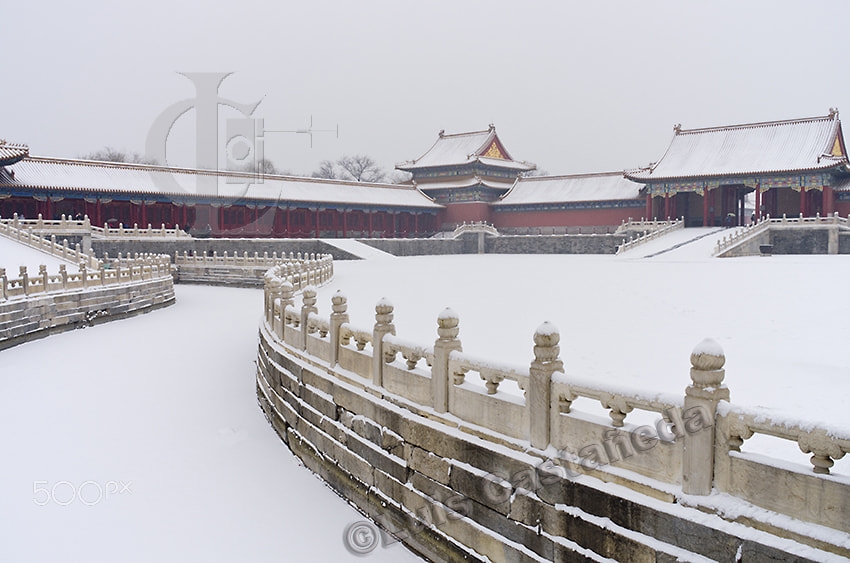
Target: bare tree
262 166
111 154
326 170
361 168
400 176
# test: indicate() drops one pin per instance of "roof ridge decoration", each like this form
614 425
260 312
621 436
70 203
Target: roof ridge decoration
833 116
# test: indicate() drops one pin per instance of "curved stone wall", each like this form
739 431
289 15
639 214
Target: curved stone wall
460 473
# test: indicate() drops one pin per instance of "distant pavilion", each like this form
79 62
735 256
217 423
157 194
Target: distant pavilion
794 167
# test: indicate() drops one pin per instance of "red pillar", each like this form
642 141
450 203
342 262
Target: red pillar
649 207
185 216
666 206
803 201
220 219
370 223
392 219
705 208
415 224
828 201
317 222
99 213
144 215
288 231
344 223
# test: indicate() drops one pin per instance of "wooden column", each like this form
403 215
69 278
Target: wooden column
803 201
828 201
758 201
185 216
370 223
344 223
649 207
666 206
705 208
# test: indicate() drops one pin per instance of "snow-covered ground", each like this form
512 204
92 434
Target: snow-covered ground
164 404
633 321
14 255
152 422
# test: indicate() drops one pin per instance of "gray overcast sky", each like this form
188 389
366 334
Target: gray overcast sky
573 86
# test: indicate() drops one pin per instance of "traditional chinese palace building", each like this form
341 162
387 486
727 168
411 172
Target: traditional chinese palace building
706 175
793 167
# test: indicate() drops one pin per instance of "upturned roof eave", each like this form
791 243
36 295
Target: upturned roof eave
650 179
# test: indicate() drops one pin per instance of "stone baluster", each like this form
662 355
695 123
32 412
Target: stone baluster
823 449
102 274
447 330
339 305
546 362
701 398
383 326
64 274
272 291
84 275
308 299
45 280
25 279
287 299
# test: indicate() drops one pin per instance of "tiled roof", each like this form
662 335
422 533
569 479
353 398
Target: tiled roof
567 189
10 153
464 148
69 174
756 148
464 182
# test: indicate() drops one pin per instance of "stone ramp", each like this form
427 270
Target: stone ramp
357 248
670 244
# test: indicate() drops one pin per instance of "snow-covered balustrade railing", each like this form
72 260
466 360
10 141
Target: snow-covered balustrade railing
660 230
26 285
137 232
741 234
13 229
475 227
642 225
242 260
68 226
691 442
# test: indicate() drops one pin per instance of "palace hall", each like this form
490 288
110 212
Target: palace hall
708 176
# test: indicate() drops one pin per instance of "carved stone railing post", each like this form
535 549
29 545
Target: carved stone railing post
308 306
45 280
339 316
383 326
25 279
700 414
272 291
545 363
287 299
4 284
447 330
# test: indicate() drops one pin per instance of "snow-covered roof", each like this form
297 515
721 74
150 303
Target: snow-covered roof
567 189
11 153
465 182
465 148
70 174
814 143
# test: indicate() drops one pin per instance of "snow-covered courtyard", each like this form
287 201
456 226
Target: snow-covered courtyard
141 439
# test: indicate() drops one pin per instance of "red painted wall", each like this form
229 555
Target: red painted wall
566 218
471 212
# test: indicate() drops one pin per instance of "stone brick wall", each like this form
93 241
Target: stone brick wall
37 316
454 494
